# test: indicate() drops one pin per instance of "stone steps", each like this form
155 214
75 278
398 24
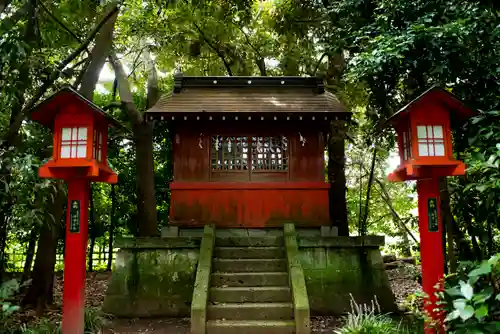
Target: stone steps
250 311
248 265
237 241
249 290
269 252
249 279
250 327
242 294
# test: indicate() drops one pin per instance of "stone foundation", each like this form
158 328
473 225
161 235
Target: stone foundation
155 276
337 267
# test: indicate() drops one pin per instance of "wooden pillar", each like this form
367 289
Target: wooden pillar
431 247
75 256
336 176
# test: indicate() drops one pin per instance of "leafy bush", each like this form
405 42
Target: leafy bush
94 321
367 319
471 298
7 290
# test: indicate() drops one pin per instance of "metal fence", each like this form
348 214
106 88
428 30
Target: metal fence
16 260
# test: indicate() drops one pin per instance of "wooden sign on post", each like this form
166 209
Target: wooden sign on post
74 217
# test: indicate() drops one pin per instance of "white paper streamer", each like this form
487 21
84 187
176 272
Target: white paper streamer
302 139
200 141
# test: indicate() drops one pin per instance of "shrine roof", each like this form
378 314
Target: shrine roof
46 111
271 95
440 96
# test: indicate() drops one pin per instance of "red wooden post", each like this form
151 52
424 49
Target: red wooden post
431 246
79 157
425 148
75 256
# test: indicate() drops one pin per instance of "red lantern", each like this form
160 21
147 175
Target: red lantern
80 138
424 136
80 131
423 128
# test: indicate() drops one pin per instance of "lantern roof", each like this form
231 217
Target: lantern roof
46 111
247 94
436 95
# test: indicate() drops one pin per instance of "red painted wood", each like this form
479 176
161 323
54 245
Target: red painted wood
433 108
249 204
177 185
192 162
248 198
74 261
69 109
431 248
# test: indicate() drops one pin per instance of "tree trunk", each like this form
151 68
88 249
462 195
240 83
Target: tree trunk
98 56
146 206
406 249
143 139
4 216
92 228
4 4
336 177
447 218
112 227
364 221
40 293
30 254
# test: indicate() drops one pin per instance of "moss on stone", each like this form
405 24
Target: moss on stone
152 283
332 274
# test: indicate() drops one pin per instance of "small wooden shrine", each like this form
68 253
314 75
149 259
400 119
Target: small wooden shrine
248 151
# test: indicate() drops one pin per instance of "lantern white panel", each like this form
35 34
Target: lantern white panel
421 132
438 131
429 131
74 133
66 133
81 151
65 151
423 150
82 133
430 147
439 149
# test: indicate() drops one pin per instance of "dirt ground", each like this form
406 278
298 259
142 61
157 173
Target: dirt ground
401 282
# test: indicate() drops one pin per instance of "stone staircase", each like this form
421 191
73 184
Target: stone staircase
249 287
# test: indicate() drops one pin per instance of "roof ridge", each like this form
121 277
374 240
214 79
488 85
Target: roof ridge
181 81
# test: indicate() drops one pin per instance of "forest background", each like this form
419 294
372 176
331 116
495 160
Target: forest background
376 56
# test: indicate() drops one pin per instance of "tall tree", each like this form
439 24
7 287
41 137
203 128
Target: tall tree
143 139
40 292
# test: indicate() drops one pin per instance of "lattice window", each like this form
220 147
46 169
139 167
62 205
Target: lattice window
407 146
97 146
229 153
74 143
430 140
270 154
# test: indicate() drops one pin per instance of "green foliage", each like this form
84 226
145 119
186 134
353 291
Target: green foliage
7 291
367 319
471 298
94 322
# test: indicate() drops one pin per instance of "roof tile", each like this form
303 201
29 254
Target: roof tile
248 100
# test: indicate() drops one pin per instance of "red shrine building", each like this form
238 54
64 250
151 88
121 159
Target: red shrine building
248 151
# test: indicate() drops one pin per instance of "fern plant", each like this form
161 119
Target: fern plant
368 319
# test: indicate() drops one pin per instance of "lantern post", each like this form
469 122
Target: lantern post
423 129
80 131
